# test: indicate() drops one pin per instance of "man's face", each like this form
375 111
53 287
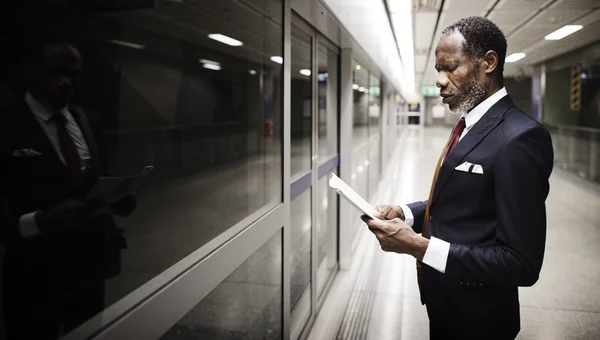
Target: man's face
462 85
56 75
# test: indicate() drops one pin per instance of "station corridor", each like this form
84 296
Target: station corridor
384 302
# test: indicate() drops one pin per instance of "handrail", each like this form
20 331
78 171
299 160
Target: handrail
573 127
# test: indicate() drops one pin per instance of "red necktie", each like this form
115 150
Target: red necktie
452 141
67 146
455 137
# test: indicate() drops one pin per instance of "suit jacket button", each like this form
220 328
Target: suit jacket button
431 218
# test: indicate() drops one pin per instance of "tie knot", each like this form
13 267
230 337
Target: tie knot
460 126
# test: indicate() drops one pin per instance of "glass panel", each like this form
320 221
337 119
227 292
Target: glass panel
247 305
374 134
360 134
360 130
328 102
327 207
300 259
301 102
156 90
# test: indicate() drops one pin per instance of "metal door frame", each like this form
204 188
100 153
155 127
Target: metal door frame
319 168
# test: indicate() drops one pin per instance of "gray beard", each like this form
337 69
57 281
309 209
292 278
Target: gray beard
472 98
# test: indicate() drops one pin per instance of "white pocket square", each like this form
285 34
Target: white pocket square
25 153
470 168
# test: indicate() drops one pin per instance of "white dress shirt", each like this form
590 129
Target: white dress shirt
436 255
27 225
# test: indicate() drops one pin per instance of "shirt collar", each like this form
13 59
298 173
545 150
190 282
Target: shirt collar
40 109
472 117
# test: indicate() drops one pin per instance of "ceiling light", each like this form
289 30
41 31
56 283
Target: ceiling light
209 64
305 72
225 39
127 44
355 86
206 61
361 89
252 72
358 67
514 57
563 32
212 67
277 59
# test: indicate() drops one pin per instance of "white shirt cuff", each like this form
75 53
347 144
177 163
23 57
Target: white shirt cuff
28 226
436 255
409 218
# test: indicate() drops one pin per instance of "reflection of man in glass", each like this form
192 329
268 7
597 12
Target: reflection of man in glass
57 254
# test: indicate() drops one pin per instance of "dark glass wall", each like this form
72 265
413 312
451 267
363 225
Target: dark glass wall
192 88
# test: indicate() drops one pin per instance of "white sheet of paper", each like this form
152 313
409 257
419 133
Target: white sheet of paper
351 196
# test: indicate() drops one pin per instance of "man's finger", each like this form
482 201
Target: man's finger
375 224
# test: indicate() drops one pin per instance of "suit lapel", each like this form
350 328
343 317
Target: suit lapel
30 127
478 132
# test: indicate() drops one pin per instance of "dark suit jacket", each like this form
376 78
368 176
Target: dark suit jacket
55 261
495 222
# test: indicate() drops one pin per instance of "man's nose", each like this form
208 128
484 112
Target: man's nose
441 80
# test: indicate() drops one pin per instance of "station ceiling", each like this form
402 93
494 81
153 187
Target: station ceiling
524 22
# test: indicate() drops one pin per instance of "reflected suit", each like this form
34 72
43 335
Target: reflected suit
53 281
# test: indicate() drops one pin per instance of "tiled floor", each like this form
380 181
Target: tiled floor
565 302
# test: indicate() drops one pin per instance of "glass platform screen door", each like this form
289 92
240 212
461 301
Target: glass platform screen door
314 155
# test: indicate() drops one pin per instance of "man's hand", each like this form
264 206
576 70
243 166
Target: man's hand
389 212
396 236
125 206
65 213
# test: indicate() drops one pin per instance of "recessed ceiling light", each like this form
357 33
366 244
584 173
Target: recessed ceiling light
277 59
127 44
563 32
514 57
252 72
225 39
305 72
358 67
209 64
361 89
212 67
355 86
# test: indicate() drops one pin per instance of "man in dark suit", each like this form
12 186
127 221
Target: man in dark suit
484 224
58 253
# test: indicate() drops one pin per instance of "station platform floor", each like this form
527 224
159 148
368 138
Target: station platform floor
377 297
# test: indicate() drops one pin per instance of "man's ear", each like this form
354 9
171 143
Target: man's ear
490 61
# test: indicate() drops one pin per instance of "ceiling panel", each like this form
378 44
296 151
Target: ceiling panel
557 17
548 49
508 18
424 25
522 4
468 5
528 35
576 4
